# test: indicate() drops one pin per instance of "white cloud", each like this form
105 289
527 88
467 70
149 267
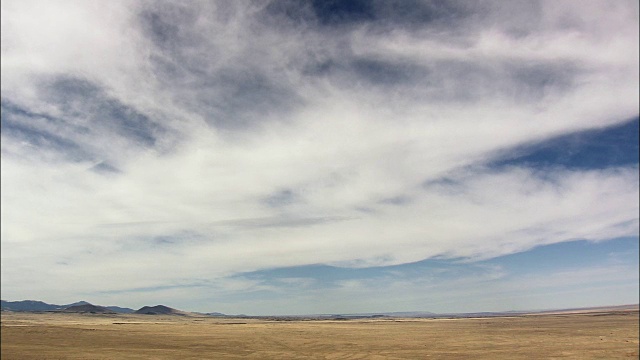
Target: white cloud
342 143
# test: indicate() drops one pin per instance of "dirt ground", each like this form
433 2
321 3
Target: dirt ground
605 335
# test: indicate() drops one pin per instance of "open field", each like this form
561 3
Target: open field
596 335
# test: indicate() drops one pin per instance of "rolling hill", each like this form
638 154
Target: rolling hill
159 310
88 308
33 305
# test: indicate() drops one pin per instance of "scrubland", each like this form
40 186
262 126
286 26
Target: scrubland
599 335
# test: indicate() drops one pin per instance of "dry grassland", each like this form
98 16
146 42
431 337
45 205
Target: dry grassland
610 335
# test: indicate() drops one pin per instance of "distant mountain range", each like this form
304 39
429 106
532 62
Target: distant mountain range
85 307
32 305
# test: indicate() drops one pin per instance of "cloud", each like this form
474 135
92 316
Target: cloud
249 135
437 285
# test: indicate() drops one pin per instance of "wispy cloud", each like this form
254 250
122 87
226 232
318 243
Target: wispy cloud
157 141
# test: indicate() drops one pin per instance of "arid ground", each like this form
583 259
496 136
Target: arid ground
595 335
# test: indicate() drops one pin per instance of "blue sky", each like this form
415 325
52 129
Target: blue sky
284 157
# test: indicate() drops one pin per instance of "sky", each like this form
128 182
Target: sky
320 157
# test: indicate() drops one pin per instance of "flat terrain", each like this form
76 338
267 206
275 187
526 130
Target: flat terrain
595 335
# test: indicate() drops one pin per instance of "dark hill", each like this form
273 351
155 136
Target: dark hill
159 310
28 305
75 304
32 305
88 308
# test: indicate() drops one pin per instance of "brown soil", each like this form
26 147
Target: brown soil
603 335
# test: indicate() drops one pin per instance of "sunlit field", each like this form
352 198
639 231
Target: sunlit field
597 335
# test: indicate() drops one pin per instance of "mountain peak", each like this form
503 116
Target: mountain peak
88 308
159 310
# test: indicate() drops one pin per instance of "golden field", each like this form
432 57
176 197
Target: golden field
595 335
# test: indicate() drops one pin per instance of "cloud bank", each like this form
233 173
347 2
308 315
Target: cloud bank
167 143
